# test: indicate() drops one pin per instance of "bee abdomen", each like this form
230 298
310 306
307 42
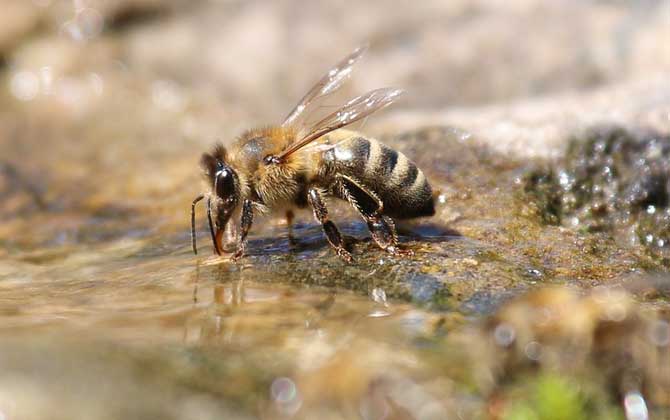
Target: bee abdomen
399 183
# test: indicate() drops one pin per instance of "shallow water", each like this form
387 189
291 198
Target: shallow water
246 332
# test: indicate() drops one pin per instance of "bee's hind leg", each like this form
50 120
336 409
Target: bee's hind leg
332 233
371 207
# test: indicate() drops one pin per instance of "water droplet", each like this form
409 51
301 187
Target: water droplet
285 394
283 390
504 334
635 406
616 312
90 22
378 295
533 350
71 29
86 24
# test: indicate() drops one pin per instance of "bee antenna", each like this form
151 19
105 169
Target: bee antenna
195 201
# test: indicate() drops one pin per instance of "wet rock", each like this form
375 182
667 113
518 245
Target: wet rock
611 179
559 351
557 331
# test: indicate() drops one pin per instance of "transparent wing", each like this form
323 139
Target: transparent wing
354 110
323 144
329 83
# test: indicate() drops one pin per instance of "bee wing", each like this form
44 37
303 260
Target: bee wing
329 83
354 110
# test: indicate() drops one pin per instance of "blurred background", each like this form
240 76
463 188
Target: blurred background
106 106
110 99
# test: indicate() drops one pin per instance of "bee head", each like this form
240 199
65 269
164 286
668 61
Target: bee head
224 182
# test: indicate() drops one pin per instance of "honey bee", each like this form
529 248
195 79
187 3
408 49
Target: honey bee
293 165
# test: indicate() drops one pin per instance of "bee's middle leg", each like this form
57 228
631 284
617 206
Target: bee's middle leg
332 232
371 207
290 216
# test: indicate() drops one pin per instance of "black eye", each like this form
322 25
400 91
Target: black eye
224 183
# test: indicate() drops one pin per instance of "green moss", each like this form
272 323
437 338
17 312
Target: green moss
552 397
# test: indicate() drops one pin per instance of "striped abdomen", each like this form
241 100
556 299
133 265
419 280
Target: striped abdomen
395 179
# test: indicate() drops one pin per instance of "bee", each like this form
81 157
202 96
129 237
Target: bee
279 168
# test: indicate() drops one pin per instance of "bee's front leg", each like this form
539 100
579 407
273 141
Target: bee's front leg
332 233
245 224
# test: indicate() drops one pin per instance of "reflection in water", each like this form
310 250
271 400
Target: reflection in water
326 347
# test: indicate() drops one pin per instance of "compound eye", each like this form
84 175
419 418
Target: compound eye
224 182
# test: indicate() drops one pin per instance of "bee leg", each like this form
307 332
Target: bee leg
245 225
371 208
289 225
332 233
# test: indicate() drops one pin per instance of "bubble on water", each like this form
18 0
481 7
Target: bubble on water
533 350
24 85
285 394
283 390
635 406
90 22
616 312
504 335
442 198
71 29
